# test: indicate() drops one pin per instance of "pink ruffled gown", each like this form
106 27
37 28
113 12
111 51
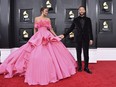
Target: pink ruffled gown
42 60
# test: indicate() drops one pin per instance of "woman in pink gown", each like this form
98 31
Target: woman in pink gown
43 59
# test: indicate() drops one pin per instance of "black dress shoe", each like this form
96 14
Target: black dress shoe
80 69
87 70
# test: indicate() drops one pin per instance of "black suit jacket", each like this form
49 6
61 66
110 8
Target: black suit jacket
84 33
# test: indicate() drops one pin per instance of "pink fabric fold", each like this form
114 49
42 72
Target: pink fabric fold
45 41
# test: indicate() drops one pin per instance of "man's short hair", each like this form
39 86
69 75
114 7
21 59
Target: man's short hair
82 6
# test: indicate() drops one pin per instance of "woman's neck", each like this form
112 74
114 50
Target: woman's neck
43 16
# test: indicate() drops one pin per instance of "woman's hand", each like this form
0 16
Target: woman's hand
61 36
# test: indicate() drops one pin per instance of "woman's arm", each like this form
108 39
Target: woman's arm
52 31
35 26
70 29
35 30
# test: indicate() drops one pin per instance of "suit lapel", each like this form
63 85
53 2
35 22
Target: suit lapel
85 23
79 24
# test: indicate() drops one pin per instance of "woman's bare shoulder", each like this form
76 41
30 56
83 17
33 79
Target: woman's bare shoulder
48 19
37 19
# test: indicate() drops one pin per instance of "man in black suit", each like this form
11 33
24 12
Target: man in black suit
84 37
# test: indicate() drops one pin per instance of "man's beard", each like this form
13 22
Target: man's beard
82 14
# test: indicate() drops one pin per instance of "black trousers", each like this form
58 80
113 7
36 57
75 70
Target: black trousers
85 45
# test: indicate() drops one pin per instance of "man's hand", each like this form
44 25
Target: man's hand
61 36
90 42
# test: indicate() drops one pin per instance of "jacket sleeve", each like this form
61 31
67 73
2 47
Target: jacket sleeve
90 30
70 29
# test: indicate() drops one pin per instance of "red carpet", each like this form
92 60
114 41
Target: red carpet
104 75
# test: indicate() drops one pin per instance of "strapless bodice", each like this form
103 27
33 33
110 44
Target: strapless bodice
43 23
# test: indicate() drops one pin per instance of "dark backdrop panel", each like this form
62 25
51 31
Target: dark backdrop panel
106 23
103 36
4 23
11 24
91 12
57 16
62 23
33 7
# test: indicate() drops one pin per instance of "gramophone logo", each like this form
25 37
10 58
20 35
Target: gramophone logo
71 35
71 15
25 34
25 16
105 6
105 25
48 4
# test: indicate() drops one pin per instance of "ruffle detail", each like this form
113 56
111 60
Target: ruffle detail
45 41
43 23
